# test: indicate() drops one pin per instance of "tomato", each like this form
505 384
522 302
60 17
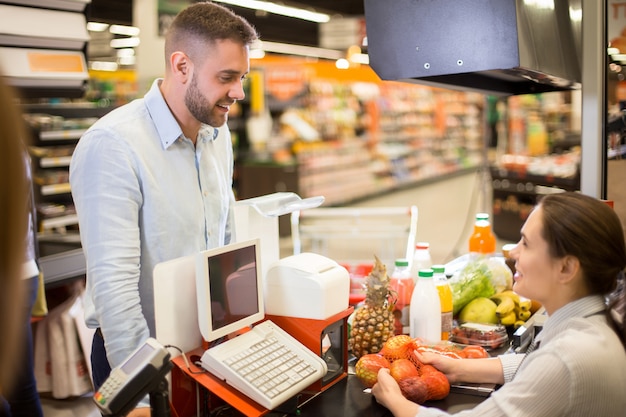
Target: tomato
438 385
474 352
397 347
367 367
428 369
415 389
402 368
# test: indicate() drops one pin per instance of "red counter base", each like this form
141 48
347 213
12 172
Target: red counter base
196 392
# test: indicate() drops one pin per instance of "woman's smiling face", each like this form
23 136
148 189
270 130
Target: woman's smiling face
536 271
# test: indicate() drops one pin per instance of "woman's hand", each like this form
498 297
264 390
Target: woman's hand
387 393
448 366
484 370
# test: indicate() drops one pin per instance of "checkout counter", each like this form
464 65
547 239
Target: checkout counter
197 393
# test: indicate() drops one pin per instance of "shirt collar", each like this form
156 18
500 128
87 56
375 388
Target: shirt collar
164 121
584 307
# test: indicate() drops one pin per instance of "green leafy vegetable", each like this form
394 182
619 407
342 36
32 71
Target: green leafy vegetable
473 281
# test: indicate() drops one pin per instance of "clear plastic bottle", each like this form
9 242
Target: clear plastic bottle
482 242
421 259
402 283
426 309
445 297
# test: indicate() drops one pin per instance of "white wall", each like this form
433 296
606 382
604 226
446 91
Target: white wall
150 55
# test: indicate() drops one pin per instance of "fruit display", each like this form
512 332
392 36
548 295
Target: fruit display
512 309
482 294
373 323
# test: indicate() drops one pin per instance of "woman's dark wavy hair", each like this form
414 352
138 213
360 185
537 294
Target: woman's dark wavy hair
587 228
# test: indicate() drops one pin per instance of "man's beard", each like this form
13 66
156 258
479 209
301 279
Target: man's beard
199 107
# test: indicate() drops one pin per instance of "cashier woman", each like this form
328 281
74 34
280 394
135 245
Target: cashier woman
570 258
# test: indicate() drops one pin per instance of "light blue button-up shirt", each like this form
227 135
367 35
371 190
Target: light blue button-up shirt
144 194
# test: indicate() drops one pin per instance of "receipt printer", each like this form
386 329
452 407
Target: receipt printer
306 285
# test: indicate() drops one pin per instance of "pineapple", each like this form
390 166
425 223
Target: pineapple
373 323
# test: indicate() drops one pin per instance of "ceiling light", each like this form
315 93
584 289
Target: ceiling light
342 63
125 52
300 50
97 27
125 43
103 66
282 10
124 30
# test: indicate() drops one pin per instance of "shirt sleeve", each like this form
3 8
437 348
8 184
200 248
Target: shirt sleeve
510 363
106 192
544 373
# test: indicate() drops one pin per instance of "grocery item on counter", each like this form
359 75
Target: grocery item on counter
512 310
418 382
421 259
479 310
472 281
506 250
425 309
402 285
488 336
377 307
482 242
445 298
501 275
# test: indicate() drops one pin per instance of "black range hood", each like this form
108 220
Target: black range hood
499 47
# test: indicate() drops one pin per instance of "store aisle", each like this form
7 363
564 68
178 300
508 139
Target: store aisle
446 213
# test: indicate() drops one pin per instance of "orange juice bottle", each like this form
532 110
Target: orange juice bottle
482 241
445 297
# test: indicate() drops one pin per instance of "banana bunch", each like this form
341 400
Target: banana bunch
511 310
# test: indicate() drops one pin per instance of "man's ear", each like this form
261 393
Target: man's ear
181 66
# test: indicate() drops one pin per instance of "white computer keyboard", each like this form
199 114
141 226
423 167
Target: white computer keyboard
266 364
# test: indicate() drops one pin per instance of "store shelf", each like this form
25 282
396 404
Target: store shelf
56 135
62 266
55 189
516 192
55 162
58 222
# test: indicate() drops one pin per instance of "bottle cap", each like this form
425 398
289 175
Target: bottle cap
402 262
506 249
482 216
422 245
425 273
438 269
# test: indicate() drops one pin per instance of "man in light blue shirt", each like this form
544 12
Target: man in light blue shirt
152 180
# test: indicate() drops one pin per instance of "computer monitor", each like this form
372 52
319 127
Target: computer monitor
229 288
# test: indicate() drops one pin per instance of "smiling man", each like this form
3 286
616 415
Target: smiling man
152 180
